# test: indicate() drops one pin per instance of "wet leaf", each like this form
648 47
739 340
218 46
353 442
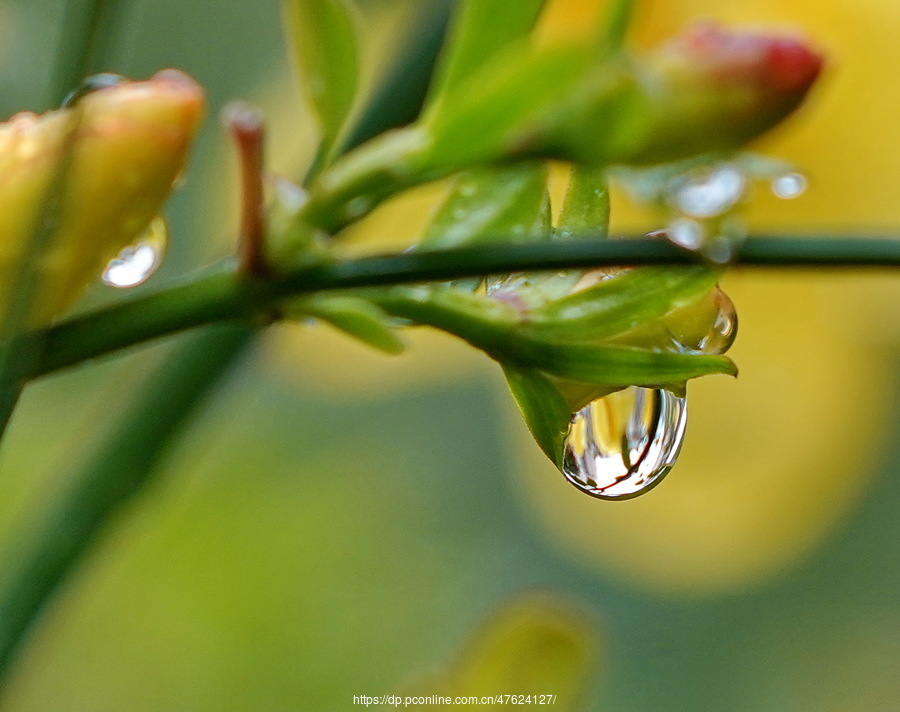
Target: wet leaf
501 204
622 302
585 209
613 366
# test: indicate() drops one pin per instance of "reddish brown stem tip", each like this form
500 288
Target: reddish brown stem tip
245 124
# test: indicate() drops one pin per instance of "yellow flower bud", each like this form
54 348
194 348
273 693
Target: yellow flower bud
129 144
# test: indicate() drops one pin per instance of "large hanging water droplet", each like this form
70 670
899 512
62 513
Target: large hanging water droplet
623 444
710 193
135 263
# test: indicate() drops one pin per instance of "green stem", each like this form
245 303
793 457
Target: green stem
37 561
216 294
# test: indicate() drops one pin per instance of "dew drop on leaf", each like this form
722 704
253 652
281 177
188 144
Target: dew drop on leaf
623 444
723 329
136 262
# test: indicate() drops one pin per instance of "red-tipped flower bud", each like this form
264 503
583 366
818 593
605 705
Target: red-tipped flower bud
710 89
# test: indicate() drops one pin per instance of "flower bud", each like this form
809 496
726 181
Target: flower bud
710 89
117 153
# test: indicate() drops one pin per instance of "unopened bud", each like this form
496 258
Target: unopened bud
710 89
129 145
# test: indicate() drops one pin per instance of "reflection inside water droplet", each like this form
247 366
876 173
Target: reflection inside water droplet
789 185
723 330
135 263
709 194
623 444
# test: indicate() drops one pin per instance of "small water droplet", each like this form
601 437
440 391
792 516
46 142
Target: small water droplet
623 444
467 190
89 85
459 214
723 330
135 263
708 326
710 193
686 233
789 185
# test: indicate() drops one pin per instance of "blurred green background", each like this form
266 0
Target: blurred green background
338 523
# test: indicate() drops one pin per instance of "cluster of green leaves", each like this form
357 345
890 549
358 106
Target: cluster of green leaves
496 108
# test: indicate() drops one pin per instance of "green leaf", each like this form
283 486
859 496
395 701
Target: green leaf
617 22
498 113
623 302
356 317
585 209
543 406
613 366
323 38
481 30
502 204
399 88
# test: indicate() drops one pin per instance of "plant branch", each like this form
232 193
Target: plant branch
217 294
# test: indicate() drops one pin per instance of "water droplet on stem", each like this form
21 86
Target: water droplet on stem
789 185
623 444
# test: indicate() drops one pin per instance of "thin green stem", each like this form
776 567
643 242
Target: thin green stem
36 562
217 294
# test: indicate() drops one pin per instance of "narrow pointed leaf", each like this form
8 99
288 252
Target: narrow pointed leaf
544 408
621 303
355 317
481 30
585 209
615 366
497 114
400 88
506 204
323 38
